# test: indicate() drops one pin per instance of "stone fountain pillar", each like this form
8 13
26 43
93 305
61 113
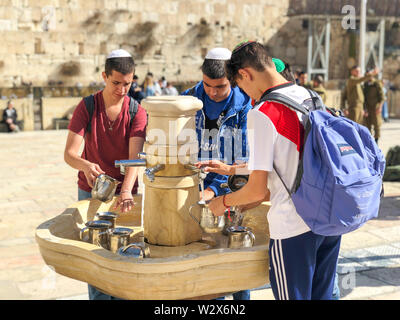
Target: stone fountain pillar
171 146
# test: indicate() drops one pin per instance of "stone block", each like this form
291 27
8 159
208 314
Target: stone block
359 239
389 233
121 27
387 275
8 25
370 258
10 291
56 108
358 286
53 48
388 296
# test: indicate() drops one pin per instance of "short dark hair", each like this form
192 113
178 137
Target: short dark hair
123 65
318 78
248 54
287 73
214 69
354 67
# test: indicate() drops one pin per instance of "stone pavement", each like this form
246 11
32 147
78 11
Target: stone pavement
37 185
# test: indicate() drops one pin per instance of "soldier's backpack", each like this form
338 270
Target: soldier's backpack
89 103
392 171
338 185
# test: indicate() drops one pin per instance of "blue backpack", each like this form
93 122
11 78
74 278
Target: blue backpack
338 185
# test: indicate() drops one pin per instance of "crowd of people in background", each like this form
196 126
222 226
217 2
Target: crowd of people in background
151 87
363 98
354 102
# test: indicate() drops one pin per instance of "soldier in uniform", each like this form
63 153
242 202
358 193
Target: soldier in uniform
318 87
303 80
354 95
374 99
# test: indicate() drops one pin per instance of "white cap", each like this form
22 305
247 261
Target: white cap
119 53
219 54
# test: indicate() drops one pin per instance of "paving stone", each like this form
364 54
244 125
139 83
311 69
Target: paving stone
389 252
369 259
358 286
20 261
10 291
359 239
389 275
23 248
8 243
389 234
29 191
24 274
396 244
79 297
346 266
387 296
52 286
265 294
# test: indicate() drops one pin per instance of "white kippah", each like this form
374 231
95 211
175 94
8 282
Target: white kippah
219 54
119 53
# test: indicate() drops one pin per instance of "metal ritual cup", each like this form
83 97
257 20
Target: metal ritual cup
119 237
235 218
135 250
108 216
104 188
98 232
208 222
240 237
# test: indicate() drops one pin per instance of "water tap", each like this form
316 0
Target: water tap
122 164
150 172
141 162
202 173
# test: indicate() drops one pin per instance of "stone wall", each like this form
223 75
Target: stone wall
66 41
56 108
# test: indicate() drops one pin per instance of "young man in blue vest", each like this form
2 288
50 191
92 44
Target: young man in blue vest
221 124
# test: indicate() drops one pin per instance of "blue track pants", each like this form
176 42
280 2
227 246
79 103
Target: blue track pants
303 267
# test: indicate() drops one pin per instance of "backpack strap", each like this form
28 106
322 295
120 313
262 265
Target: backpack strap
133 109
288 102
89 103
291 104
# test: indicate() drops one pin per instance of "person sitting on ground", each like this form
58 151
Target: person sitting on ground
10 117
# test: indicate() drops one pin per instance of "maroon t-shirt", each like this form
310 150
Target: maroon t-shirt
104 146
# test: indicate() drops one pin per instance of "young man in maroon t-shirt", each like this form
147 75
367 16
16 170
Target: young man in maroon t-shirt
111 136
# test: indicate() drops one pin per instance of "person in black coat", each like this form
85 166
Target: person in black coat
10 117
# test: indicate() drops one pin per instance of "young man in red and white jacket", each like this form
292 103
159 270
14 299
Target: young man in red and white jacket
302 264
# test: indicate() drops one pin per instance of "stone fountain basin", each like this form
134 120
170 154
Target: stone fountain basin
202 270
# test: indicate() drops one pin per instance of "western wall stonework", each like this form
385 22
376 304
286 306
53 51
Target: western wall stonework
65 42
